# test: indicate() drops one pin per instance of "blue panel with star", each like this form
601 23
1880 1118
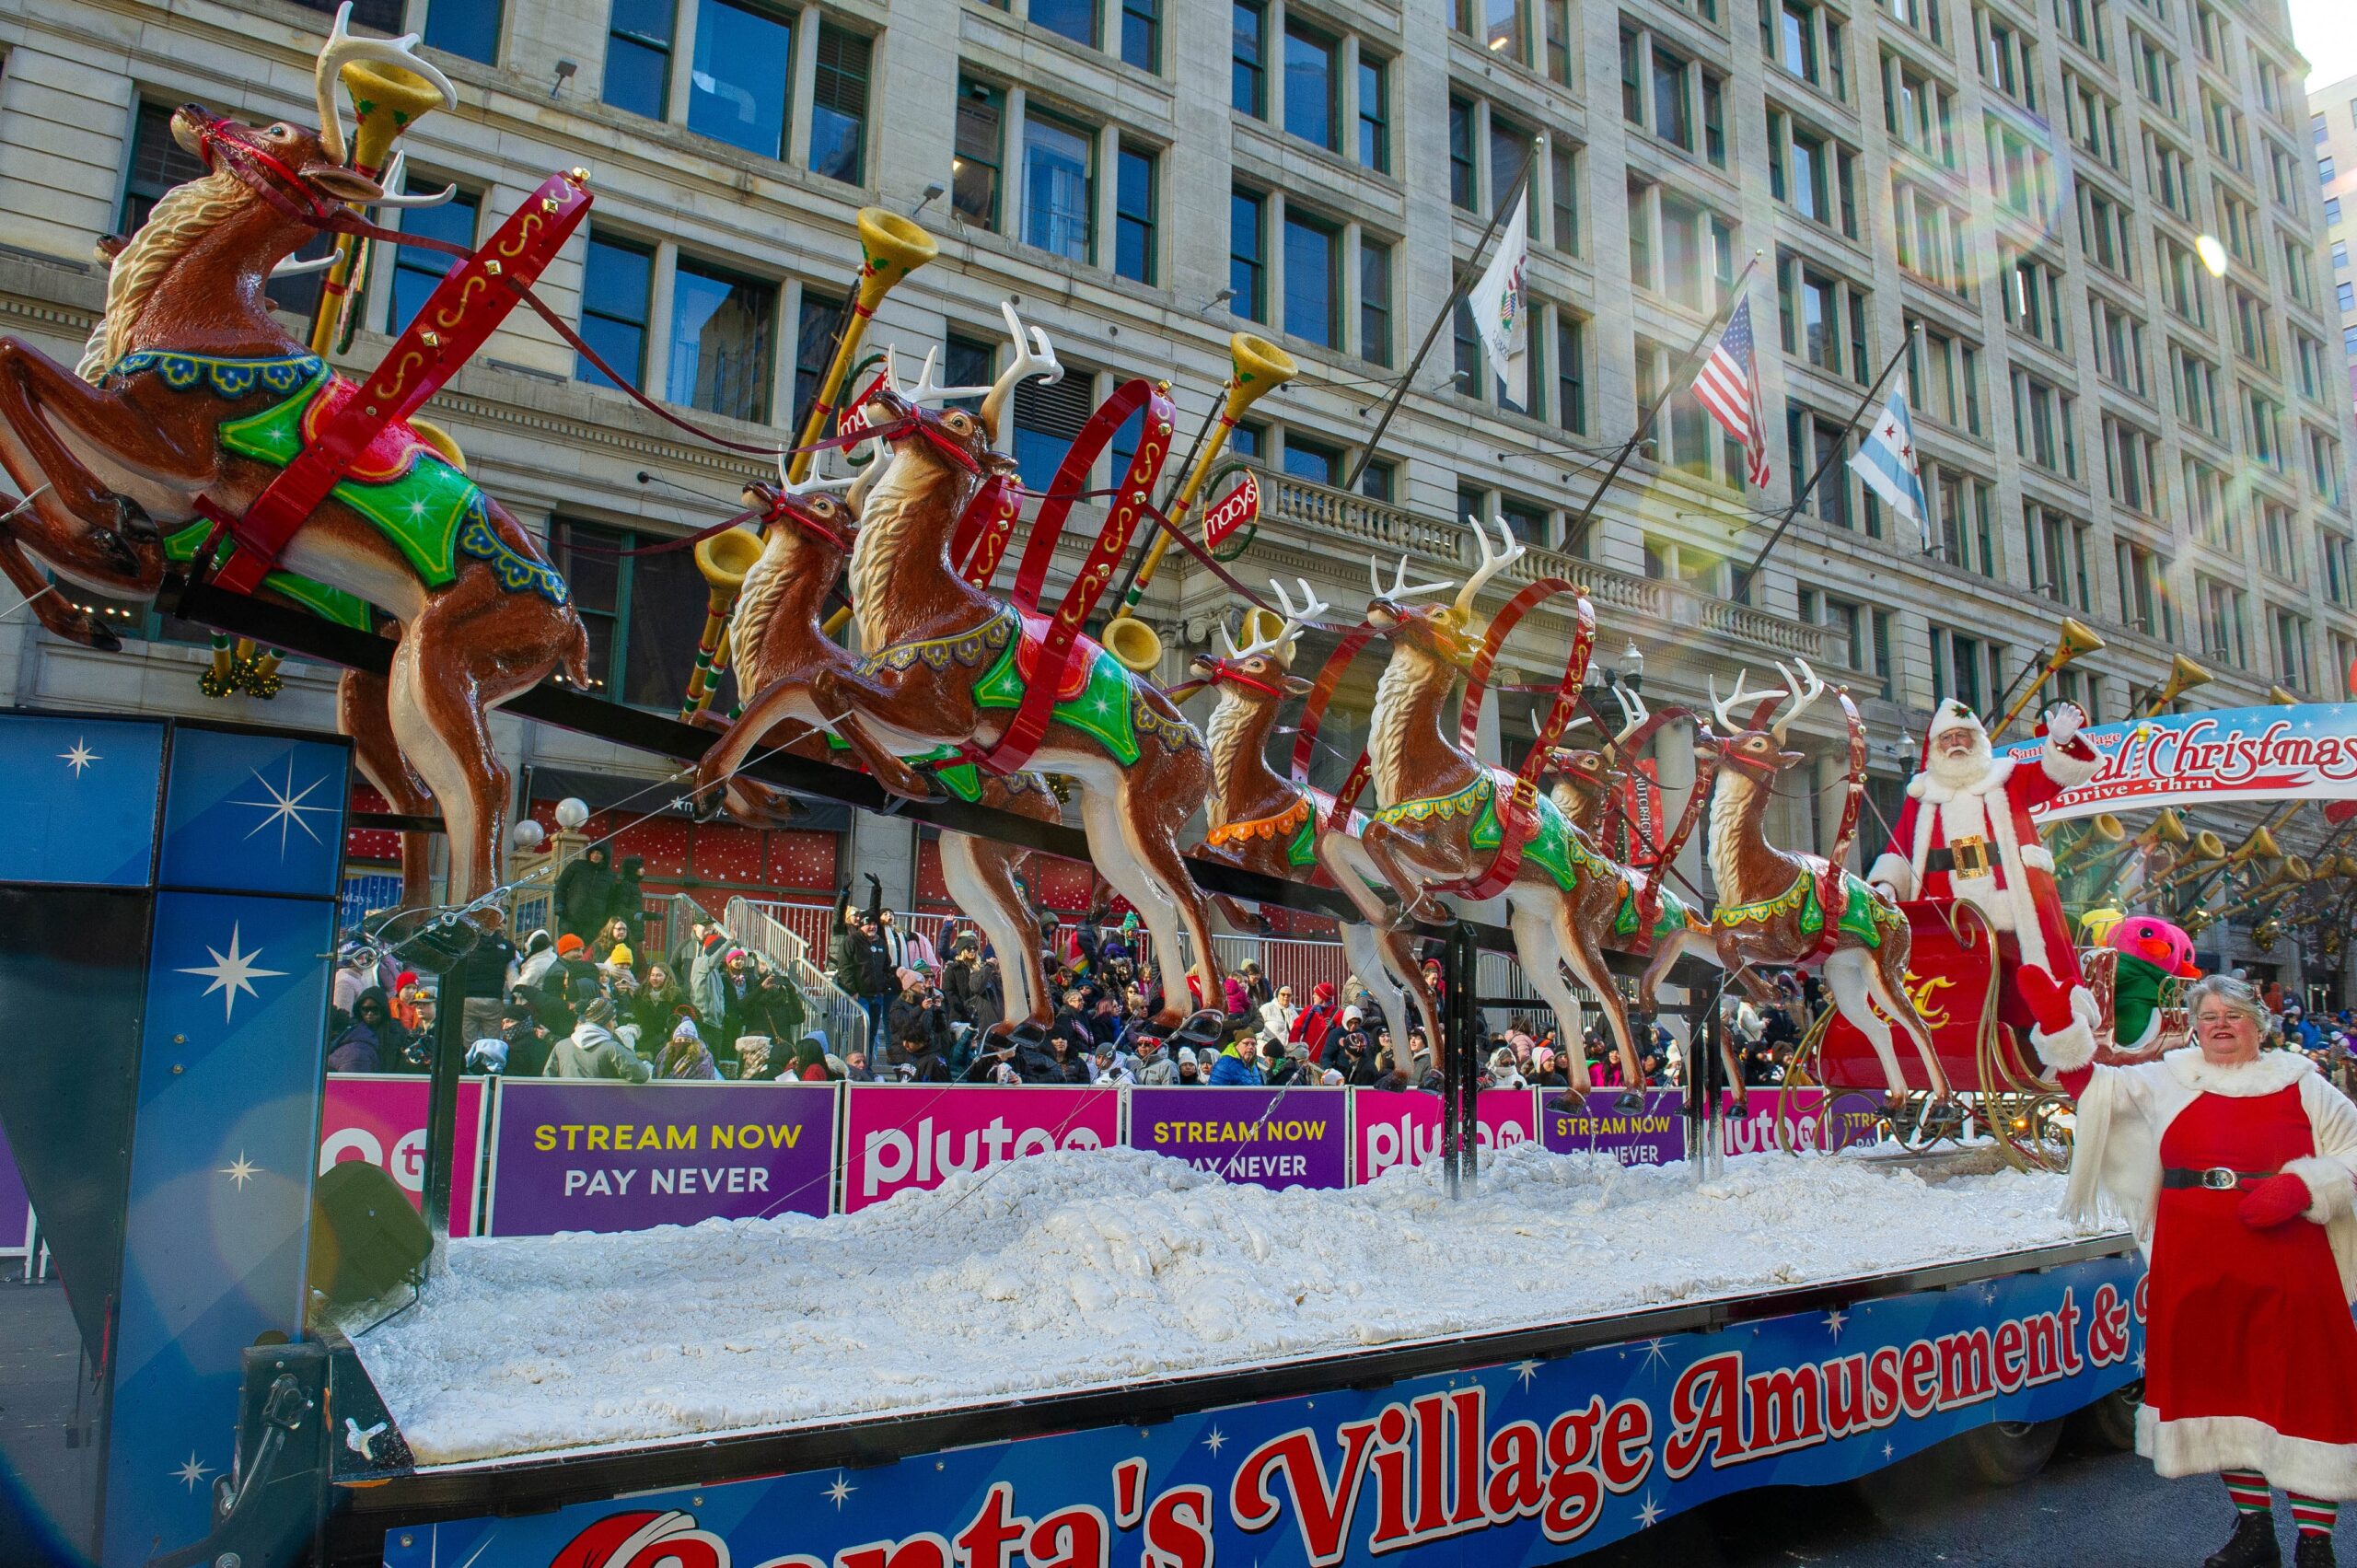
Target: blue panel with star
262 813
77 799
221 1172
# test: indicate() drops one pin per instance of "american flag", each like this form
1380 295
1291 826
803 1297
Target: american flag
1729 388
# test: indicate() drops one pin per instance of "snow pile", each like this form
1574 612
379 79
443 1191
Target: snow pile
1080 1270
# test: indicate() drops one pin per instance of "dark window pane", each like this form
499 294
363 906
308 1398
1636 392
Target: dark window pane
1310 290
667 600
1056 188
1046 420
1142 34
1245 91
814 348
157 163
1320 465
416 271
614 308
1375 301
1133 244
1509 149
967 362
469 27
981 150
721 327
1375 481
1245 265
1460 153
744 64
839 105
1076 20
638 56
370 15
1374 114
1309 88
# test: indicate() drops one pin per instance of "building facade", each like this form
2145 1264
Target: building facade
2332 127
2089 229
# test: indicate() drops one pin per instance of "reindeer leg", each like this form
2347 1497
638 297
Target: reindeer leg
1346 860
1847 974
780 704
51 606
363 712
1886 980
1586 963
1535 944
846 701
85 526
1385 844
981 877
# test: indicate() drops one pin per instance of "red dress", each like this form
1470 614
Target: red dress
2242 1322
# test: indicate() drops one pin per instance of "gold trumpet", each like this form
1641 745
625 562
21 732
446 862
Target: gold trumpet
387 99
2209 853
2167 828
2105 829
2184 675
2077 640
891 248
723 559
1260 367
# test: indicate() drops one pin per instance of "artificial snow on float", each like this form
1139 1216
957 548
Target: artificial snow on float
1088 1269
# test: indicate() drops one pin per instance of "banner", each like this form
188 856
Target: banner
1815 1119
1266 1137
569 1154
1509 1466
1402 1127
2272 753
16 1209
1655 1135
900 1137
380 1118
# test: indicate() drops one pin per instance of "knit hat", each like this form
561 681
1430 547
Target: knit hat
687 1030
1352 1015
568 945
598 1010
1187 1055
1322 991
711 941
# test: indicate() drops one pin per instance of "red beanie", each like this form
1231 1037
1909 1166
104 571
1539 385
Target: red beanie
568 945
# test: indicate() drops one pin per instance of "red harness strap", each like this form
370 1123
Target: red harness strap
1833 886
979 543
464 308
1029 726
1518 809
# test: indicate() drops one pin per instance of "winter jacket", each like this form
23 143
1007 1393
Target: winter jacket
1276 1022
1228 1068
355 1052
905 1019
847 961
708 986
592 1052
585 890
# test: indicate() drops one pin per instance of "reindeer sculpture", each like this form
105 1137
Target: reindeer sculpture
1773 902
190 389
944 664
777 635
1438 820
1264 822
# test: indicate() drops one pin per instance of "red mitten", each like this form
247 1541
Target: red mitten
2048 999
2274 1201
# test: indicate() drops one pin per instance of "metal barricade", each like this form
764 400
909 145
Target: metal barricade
756 927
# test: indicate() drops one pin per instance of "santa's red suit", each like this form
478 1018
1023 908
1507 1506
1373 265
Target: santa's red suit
1966 833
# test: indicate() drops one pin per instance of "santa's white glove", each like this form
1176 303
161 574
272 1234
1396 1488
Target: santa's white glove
2063 721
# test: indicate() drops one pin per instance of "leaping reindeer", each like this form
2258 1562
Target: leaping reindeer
944 663
1263 822
1771 908
1438 812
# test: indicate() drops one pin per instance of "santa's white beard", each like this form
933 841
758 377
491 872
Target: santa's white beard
1957 771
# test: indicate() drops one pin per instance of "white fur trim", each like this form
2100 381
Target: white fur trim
2067 768
2204 1444
1930 791
2270 1071
1891 870
2332 1188
2065 1048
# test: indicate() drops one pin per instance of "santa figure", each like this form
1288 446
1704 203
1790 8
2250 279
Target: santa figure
1966 833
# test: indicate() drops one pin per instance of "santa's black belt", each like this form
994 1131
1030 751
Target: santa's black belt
1942 860
2217 1177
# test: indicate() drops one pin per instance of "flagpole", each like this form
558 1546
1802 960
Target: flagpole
1800 498
1575 533
1432 333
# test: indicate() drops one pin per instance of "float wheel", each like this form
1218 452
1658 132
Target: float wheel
2006 1453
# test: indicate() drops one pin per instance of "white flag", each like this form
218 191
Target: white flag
1497 305
1885 460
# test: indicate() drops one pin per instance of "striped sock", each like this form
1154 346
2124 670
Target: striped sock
2314 1515
2248 1489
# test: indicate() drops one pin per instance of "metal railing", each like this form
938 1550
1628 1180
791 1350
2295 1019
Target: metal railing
756 927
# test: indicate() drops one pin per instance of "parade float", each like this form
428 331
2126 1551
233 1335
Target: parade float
1256 1365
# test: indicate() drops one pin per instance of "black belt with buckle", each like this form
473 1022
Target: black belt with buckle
1942 860
2217 1177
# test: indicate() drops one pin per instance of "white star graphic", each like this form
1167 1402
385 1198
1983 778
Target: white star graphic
1833 1322
1886 1450
1525 1370
1216 1438
285 807
240 1170
192 1472
1649 1513
1654 1353
231 972
80 757
840 1489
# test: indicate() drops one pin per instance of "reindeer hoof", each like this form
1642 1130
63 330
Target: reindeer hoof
130 521
1629 1102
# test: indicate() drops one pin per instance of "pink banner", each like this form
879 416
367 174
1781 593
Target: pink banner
900 1137
1810 1121
380 1118
1402 1127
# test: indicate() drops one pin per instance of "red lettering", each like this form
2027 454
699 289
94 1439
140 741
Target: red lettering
1432 1463
2010 1343
926 1550
1322 1508
1626 1449
2044 1348
1785 1407
1882 1397
989 1538
1515 1489
2070 1316
1469 1412
1069 1538
1390 1468
1706 1421
1845 1396
1918 1374
1964 1368
1179 1529
1128 1491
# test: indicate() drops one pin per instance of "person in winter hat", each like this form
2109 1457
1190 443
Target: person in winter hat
592 1049
2237 1168
685 1055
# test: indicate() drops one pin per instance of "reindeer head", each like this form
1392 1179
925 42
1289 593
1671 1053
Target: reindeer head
1758 747
1444 632
955 439
1260 669
826 522
1596 772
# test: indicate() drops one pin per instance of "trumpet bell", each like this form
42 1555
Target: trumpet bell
1260 367
893 247
2077 641
725 558
387 102
2107 826
2296 869
2208 846
1262 625
2184 675
2168 828
1135 644
2261 845
2282 697
440 440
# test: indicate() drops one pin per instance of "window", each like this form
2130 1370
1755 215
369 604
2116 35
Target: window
1247 85
2058 554
2290 649
1807 42
1679 250
1074 20
616 285
2325 173
638 56
2240 222
744 65
1816 177
2095 120
2083 24
2153 66
839 105
1467 345
967 362
2222 124
1133 218
2296 272
1375 480
158 163
1673 96
1943 377
2209 34
1313 279
1930 238
1964 668
1047 419
2103 233
2168 176
1311 101
1375 115
1814 440
1375 301
2223 635
1509 149
2021 171
2143 592
1462 191
1571 372
1686 437
1312 460
981 150
416 271
2284 177
2033 296
1142 34
2044 420
1564 196
820 319
2007 61
1963 507
2339 553
2119 344
2332 211
1922 17
2184 281
2253 340
1918 109
1059 180
2205 492
722 324
1248 268
2279 541
465 28
2325 468
2131 466
639 609
1557 14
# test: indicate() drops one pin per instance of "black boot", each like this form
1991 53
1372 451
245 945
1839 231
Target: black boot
2251 1545
2313 1551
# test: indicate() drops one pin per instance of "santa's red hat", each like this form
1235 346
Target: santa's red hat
1950 714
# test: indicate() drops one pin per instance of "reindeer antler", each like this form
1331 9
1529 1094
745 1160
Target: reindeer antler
1400 587
1034 356
395 173
1296 622
1723 711
1632 706
1801 698
927 389
1493 561
341 50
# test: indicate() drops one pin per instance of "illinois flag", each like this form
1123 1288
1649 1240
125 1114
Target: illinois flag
1497 305
1885 460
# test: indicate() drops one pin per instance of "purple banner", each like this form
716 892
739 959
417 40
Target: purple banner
1655 1135
16 1208
1267 1137
572 1156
